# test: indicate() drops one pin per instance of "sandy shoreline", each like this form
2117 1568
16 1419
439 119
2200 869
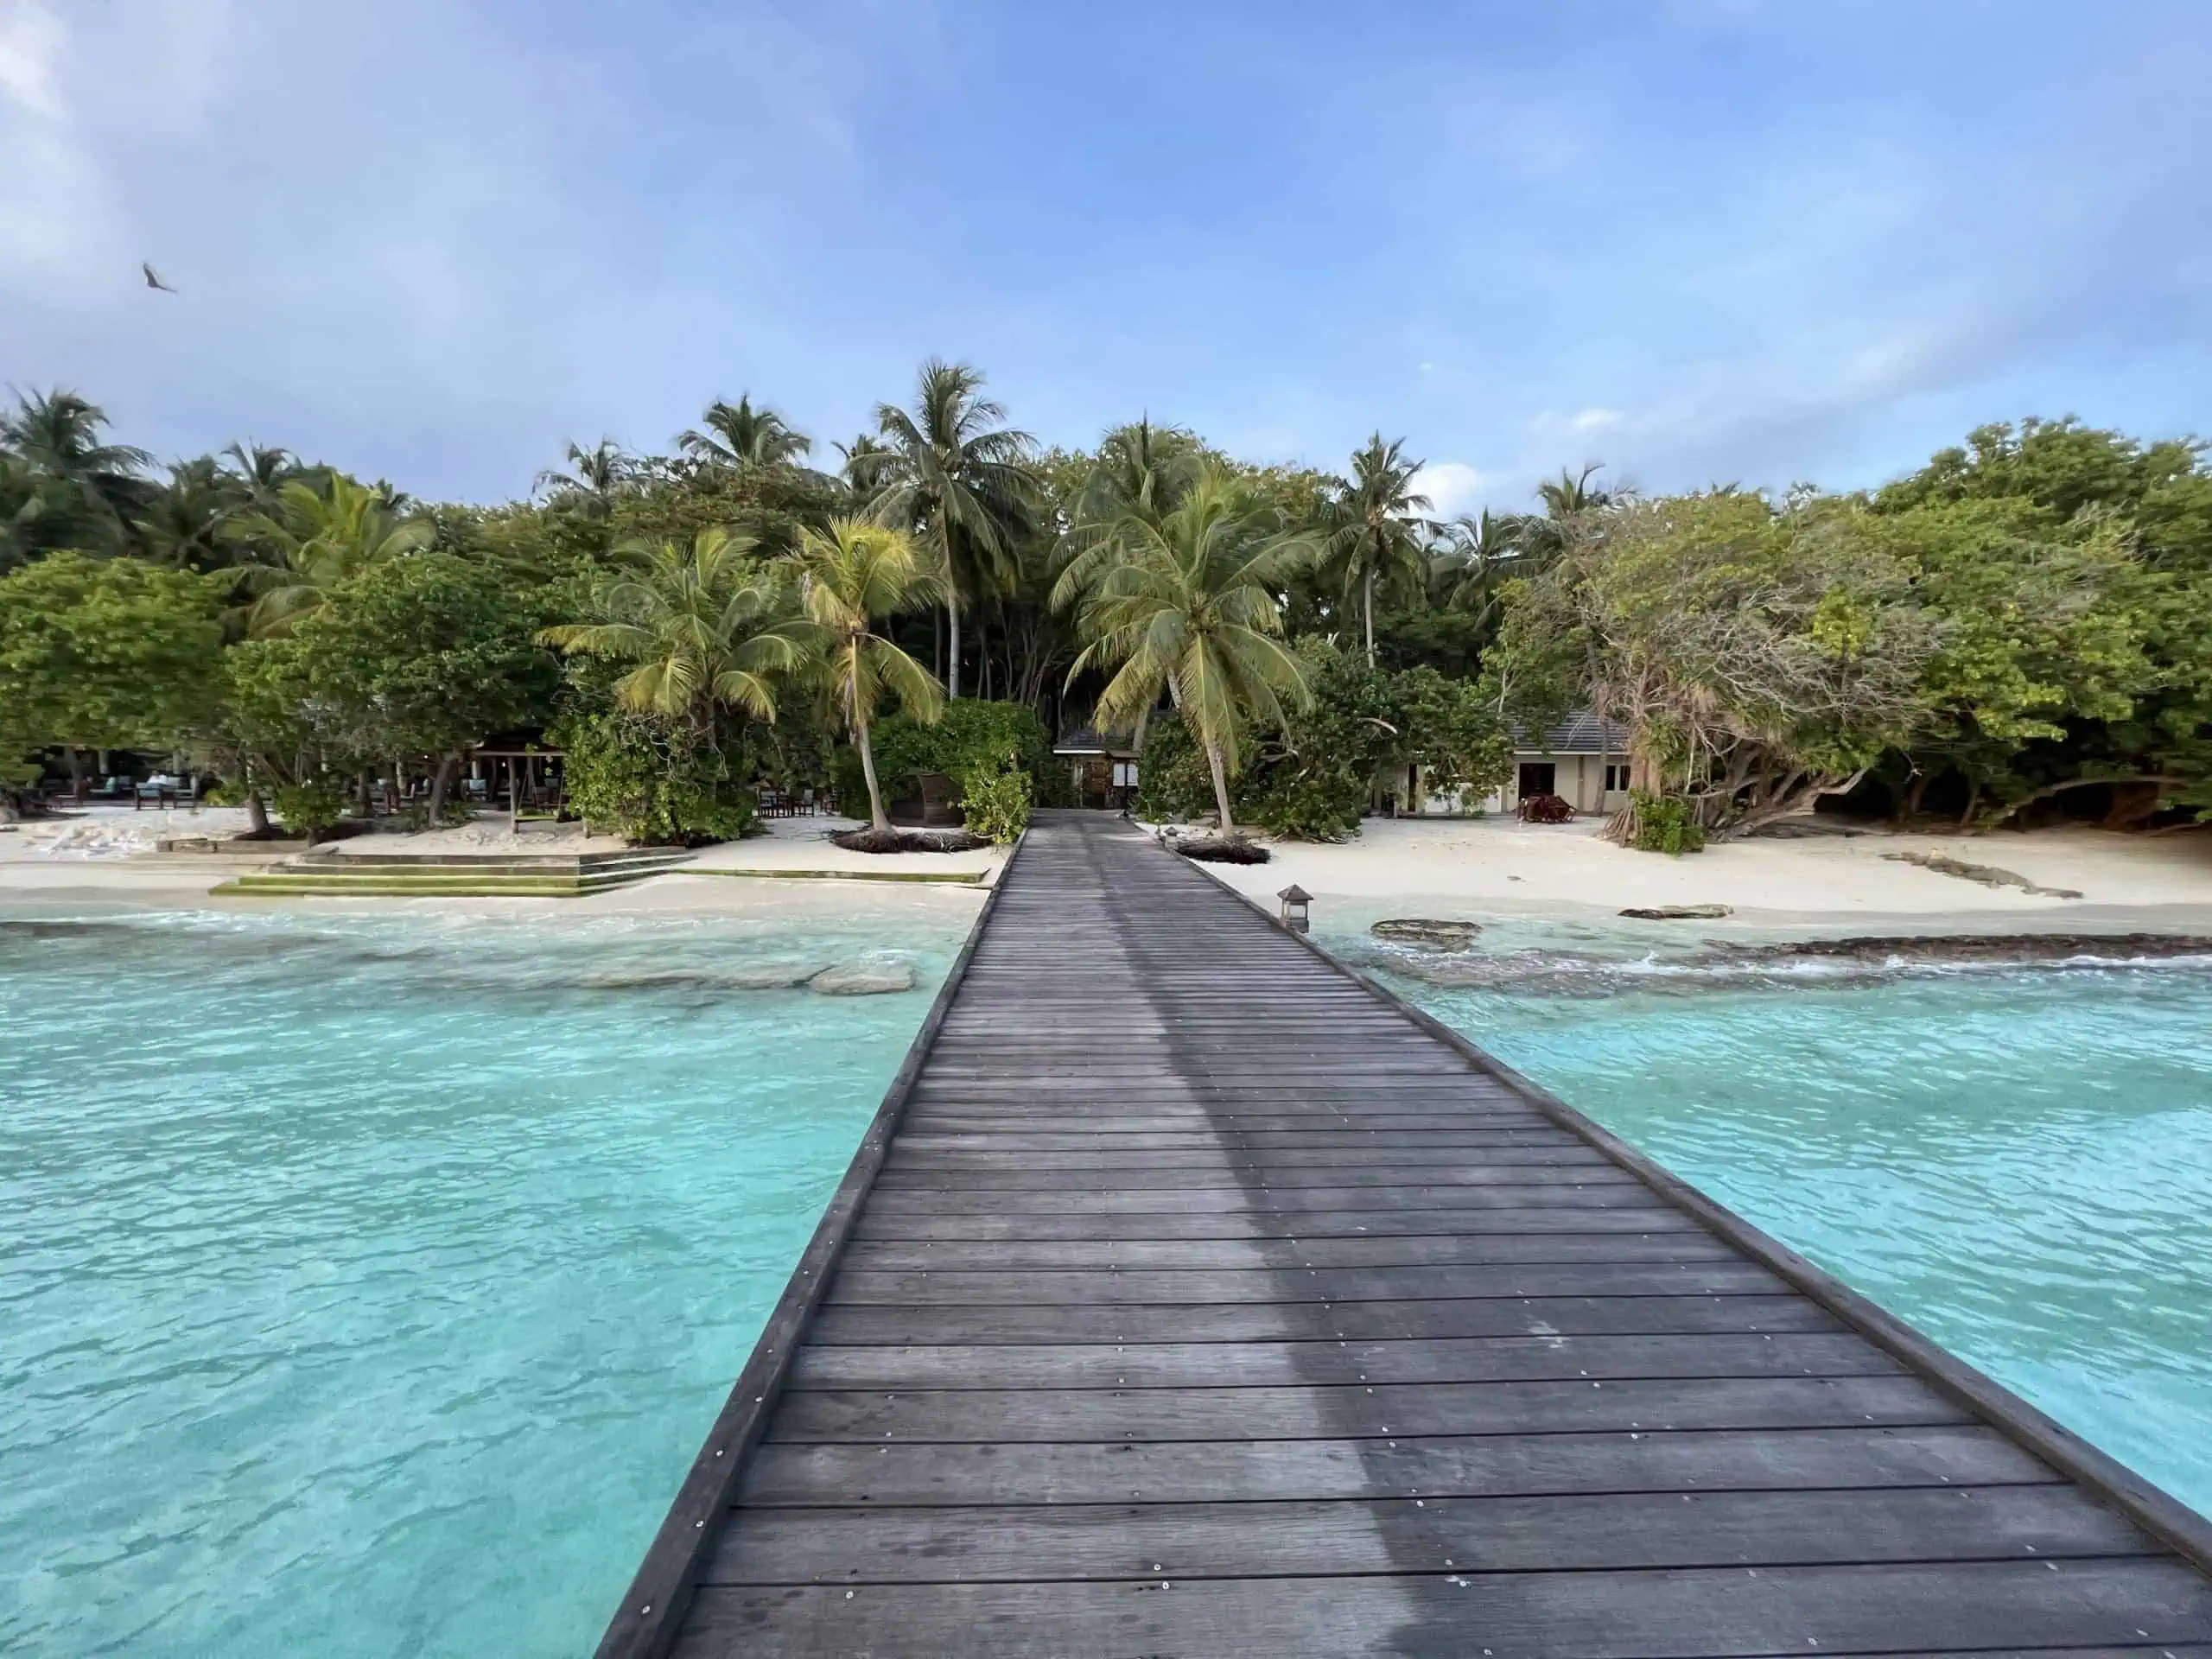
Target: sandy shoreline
1478 870
1483 868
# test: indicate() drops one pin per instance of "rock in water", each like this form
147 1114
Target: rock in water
770 975
1680 912
863 979
1425 934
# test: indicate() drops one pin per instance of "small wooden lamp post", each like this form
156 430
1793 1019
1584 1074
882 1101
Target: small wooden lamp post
1294 901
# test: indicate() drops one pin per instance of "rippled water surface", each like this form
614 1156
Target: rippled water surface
2017 1159
368 1282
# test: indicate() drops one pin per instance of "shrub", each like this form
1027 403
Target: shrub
1546 809
415 815
997 803
307 810
1665 823
636 778
973 735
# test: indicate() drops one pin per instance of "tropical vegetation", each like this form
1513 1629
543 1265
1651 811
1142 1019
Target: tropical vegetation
2020 630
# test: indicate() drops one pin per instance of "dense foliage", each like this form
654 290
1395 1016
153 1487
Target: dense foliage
2022 627
1313 774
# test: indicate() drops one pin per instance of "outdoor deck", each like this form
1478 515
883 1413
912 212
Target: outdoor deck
1206 1302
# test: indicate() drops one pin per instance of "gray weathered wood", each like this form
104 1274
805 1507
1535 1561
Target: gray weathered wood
1191 1247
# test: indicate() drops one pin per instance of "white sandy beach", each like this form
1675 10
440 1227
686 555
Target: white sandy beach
1449 869
1468 868
105 856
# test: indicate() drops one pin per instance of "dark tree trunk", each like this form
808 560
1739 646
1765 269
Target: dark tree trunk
76 759
441 783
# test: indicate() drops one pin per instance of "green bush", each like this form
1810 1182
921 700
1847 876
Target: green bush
309 810
634 778
973 735
997 803
1666 824
415 815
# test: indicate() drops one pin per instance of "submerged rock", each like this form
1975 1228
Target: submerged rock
863 979
1987 875
1680 912
1426 933
2038 949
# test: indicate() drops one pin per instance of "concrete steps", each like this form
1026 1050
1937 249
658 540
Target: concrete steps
424 876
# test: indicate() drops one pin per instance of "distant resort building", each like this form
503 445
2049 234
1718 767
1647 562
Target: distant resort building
1582 758
1101 766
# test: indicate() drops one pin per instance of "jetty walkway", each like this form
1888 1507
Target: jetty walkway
1191 1298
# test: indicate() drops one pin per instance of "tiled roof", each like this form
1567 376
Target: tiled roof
1086 739
1580 733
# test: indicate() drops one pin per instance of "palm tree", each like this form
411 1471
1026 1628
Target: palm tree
183 524
863 464
961 481
594 478
850 573
316 538
1190 605
1375 526
261 471
88 492
740 436
1140 471
699 626
1570 503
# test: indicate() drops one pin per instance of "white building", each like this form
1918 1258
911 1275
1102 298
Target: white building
1582 758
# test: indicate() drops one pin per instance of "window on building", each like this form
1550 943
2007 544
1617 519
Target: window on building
1615 777
1125 774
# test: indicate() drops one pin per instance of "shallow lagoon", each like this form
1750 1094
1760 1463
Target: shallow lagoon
2015 1158
367 1282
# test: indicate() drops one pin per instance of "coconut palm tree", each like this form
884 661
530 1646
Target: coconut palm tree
1375 525
594 478
850 573
961 481
315 540
1139 471
864 460
88 492
698 626
738 434
1190 605
183 524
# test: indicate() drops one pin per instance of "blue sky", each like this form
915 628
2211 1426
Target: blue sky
1753 240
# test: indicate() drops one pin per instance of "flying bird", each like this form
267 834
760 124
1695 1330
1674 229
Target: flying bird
154 281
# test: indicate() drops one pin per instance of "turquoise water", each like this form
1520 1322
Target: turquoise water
367 1283
2017 1159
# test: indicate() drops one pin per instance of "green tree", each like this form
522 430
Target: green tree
852 573
72 489
739 435
694 628
1189 607
106 654
316 539
961 482
1759 659
595 478
427 656
1377 532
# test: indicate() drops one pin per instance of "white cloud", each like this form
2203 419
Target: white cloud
1451 486
1595 420
30 45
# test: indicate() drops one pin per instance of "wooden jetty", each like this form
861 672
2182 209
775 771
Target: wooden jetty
1190 1296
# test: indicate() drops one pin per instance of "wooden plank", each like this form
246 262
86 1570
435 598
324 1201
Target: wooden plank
1306 1285
646 1621
1287 1364
1738 1459
1419 1176
1905 1609
979 1227
1269 1163
1282 1200
988 1416
1305 1321
1188 1255
1610 1530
